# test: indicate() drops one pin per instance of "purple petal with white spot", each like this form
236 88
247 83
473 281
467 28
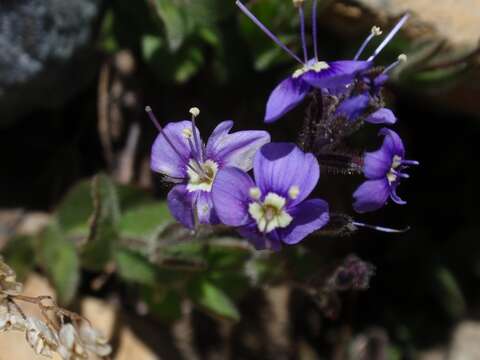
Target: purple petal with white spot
339 73
236 149
288 94
230 194
279 166
166 160
180 202
309 216
354 106
382 116
371 195
205 209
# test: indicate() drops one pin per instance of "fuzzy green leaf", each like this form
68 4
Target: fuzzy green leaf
58 257
212 299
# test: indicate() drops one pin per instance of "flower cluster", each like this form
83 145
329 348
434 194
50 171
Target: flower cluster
211 179
73 340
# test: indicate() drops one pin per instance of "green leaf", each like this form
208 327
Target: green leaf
103 224
212 299
165 304
108 41
58 257
174 20
76 208
133 267
19 253
178 67
145 221
449 293
151 45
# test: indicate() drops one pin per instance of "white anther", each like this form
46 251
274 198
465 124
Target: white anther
148 109
187 133
255 193
293 192
376 31
402 57
194 111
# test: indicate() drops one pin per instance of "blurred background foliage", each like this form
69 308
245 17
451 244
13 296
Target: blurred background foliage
83 161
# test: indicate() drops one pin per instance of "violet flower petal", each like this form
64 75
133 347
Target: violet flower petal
340 73
382 116
168 161
180 202
255 237
279 166
396 199
308 217
236 149
392 142
230 194
258 240
205 209
251 233
371 195
354 106
377 164
288 94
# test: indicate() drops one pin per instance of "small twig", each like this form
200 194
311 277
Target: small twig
103 112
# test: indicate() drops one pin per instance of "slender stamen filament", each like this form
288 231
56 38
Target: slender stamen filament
195 112
410 162
401 59
389 37
302 32
374 32
155 121
196 164
380 228
314 29
266 31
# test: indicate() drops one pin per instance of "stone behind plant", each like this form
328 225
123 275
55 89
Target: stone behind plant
45 46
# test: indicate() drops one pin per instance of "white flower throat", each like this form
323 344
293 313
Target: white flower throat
201 175
392 174
313 65
269 214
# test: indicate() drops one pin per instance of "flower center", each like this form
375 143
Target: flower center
202 177
270 214
393 174
312 65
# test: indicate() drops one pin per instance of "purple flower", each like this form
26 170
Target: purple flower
313 73
366 102
180 154
272 209
384 170
357 105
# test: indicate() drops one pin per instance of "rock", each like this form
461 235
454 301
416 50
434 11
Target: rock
44 50
465 341
455 20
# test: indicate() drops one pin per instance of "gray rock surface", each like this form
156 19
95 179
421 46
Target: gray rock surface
455 20
42 44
